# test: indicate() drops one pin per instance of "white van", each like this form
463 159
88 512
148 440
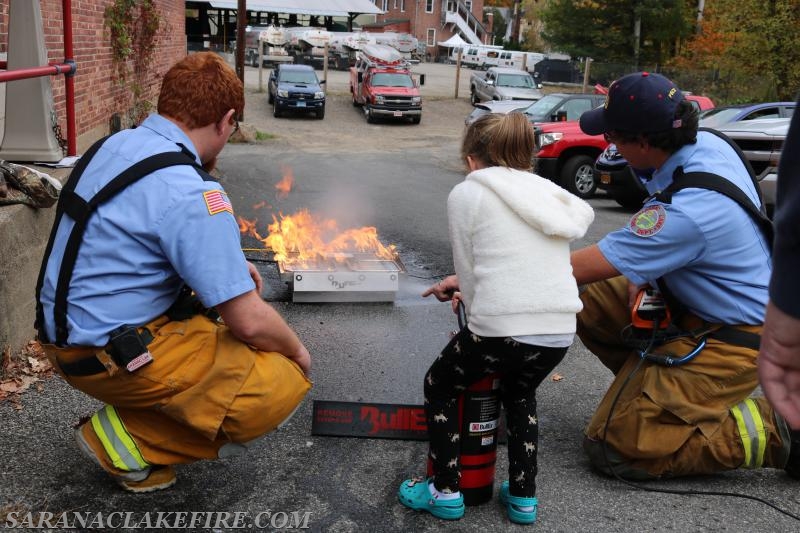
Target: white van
476 56
513 59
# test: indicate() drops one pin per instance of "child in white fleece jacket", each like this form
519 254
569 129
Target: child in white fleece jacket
510 231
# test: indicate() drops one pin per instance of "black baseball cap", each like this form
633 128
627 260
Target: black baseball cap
636 103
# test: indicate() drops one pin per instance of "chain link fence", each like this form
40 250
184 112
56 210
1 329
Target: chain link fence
724 87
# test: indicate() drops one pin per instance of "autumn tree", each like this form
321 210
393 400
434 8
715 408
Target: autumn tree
754 46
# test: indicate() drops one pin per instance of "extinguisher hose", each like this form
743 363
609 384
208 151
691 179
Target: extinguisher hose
462 315
640 486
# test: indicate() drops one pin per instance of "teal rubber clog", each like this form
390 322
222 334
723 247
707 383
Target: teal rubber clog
513 504
414 494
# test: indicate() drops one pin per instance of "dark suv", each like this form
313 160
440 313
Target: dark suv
296 88
761 141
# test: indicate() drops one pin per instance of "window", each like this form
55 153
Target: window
767 112
402 5
575 108
392 80
431 41
396 2
428 6
514 80
385 5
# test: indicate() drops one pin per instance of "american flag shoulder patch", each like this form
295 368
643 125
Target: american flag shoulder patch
217 202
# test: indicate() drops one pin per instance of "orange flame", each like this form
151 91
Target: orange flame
285 185
248 227
303 240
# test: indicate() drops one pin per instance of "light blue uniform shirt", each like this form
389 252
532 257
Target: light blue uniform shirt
142 245
711 253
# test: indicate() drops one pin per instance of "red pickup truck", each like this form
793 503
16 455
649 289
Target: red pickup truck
382 83
566 156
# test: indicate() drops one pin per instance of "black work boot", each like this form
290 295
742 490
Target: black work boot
793 463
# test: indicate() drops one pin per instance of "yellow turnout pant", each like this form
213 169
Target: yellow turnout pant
204 390
673 421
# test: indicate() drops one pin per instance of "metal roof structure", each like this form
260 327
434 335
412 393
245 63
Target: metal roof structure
327 8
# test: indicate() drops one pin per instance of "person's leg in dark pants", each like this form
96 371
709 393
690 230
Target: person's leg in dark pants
525 367
465 360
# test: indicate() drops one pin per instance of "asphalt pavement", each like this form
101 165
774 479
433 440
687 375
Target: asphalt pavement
373 352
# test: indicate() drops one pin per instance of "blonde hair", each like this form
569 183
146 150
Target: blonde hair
500 141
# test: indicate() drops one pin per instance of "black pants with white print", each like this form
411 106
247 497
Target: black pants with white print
469 358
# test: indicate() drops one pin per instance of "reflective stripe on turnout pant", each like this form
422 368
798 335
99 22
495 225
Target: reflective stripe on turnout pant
204 389
673 421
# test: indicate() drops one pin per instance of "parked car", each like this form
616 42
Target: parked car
555 107
503 83
761 141
382 84
566 156
295 88
720 116
618 179
614 175
496 106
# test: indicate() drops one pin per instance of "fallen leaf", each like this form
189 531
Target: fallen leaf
9 386
39 365
557 377
19 371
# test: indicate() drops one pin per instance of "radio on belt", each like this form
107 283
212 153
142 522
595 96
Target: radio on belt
128 349
649 309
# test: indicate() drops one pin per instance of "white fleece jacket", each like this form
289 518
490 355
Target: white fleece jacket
510 232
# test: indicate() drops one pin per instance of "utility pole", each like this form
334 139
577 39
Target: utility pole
637 35
516 14
241 22
701 5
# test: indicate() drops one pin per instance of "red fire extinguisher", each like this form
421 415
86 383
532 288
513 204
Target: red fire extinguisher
479 417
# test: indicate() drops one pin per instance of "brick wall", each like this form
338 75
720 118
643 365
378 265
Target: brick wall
97 95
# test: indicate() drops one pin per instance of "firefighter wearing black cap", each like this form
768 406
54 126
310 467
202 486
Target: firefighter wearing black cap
702 239
679 405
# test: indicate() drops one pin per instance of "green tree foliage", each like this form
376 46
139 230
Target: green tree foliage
605 30
500 25
533 40
742 51
755 47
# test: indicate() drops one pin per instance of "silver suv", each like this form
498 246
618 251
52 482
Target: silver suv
761 141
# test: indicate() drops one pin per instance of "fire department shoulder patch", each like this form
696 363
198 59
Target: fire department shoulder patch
217 202
648 221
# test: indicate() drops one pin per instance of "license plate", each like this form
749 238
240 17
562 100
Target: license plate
605 178
301 104
398 113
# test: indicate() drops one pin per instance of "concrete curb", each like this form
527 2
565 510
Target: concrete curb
23 237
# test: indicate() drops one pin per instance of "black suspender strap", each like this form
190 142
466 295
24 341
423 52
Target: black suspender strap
744 159
68 186
79 210
713 182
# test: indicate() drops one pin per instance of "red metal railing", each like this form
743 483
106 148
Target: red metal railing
67 68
